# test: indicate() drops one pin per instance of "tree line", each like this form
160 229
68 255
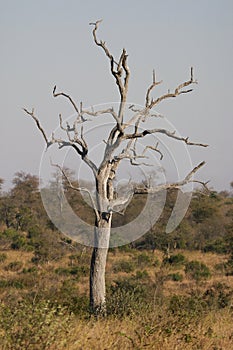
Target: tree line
24 224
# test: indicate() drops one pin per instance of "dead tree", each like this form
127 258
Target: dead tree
120 144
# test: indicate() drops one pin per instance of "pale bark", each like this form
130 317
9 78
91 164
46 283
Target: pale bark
97 268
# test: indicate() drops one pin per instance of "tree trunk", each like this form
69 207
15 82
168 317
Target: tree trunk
98 264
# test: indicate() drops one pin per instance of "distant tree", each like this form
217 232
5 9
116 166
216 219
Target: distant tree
21 207
121 144
1 183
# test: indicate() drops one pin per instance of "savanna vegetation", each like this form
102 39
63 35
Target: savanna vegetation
165 291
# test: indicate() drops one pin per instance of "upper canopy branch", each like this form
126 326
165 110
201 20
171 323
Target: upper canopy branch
150 103
151 87
117 68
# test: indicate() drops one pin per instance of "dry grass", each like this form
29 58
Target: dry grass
213 332
153 329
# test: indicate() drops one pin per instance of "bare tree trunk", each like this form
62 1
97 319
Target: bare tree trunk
98 265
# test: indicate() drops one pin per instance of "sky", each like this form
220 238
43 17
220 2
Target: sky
44 43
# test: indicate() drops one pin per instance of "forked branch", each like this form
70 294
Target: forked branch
188 179
178 91
117 68
77 143
151 87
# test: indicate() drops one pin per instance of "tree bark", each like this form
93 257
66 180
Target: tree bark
98 265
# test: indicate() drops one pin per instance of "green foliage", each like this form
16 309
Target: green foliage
175 260
32 270
69 297
143 259
203 208
48 247
141 275
218 246
126 297
187 306
34 326
20 242
3 257
177 277
218 296
14 266
124 266
197 270
77 271
11 238
11 283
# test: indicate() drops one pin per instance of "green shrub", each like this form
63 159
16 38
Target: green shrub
218 296
197 270
10 233
143 260
176 260
34 326
12 283
14 266
123 266
218 246
177 277
68 296
74 270
187 306
32 269
3 257
126 297
141 275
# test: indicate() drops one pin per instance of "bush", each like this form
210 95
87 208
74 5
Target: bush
123 266
177 260
77 271
177 277
126 297
3 257
34 326
187 306
218 246
141 275
218 296
143 260
12 283
68 296
14 266
197 270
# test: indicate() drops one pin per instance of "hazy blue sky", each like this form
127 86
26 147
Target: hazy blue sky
44 43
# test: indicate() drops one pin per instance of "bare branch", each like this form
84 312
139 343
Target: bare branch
38 125
70 99
165 132
101 112
79 189
154 148
185 181
178 91
116 69
151 87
